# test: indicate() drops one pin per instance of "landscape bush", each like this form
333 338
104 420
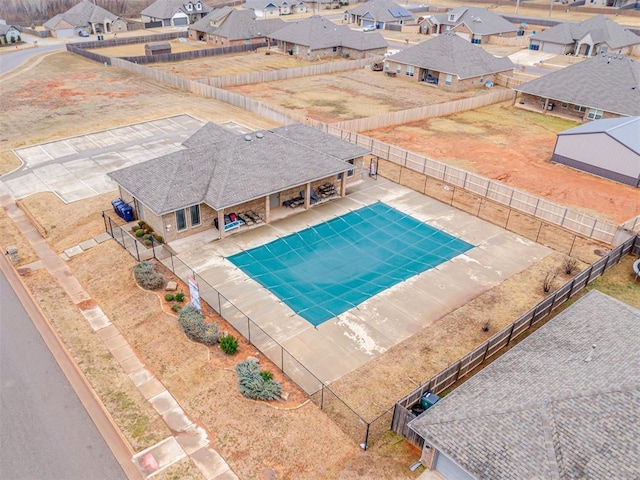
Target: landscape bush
176 307
179 297
569 264
253 384
196 328
148 276
169 297
139 233
229 344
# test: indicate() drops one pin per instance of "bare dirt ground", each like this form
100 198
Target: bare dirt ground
178 45
65 95
514 146
349 95
256 61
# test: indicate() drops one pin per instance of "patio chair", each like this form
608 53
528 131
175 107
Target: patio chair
636 269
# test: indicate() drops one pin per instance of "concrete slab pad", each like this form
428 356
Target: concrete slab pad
211 464
192 439
33 156
59 149
25 185
103 237
177 420
140 377
87 244
96 318
155 459
163 402
73 251
131 364
108 332
77 167
78 194
34 265
81 144
78 297
115 342
151 388
123 353
64 257
48 173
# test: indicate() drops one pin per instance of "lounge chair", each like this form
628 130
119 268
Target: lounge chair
245 218
254 216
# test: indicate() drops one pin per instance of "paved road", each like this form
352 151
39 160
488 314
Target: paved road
45 432
9 61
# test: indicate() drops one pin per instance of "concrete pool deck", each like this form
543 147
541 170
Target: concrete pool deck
340 345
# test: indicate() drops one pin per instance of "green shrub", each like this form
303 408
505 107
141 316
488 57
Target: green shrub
142 224
158 238
196 328
139 233
176 307
134 229
147 242
253 385
148 276
169 297
229 344
180 297
266 374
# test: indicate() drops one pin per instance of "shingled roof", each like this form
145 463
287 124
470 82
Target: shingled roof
449 53
479 21
236 24
317 33
225 170
551 407
601 29
168 8
382 11
625 130
608 82
81 15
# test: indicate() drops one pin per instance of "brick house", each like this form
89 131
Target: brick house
471 23
604 86
274 8
316 37
587 38
447 61
563 404
227 26
87 17
173 13
220 172
378 14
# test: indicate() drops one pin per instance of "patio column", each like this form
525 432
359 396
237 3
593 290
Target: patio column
343 185
221 224
267 208
515 98
546 104
307 196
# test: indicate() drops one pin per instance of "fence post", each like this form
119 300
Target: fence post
135 242
153 248
366 438
281 359
248 323
122 236
105 222
111 228
572 244
173 268
486 350
539 230
513 326
322 397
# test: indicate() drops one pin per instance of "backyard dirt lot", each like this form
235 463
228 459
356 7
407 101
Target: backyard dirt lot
178 45
514 146
345 96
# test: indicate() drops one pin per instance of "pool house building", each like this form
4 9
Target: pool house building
222 178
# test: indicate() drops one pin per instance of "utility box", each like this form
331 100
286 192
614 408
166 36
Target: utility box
12 253
429 399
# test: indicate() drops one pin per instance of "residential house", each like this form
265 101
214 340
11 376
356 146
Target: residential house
8 33
609 148
563 403
227 26
378 14
591 37
220 172
604 86
448 61
274 8
471 23
316 37
85 16
173 13
316 5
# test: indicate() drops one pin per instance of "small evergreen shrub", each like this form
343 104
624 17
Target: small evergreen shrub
253 385
229 344
179 297
147 276
134 229
142 224
139 233
196 328
266 374
169 297
176 307
147 242
158 238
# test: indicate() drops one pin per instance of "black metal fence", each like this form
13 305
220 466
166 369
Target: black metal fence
437 384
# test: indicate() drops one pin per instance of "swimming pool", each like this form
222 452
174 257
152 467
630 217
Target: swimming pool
327 269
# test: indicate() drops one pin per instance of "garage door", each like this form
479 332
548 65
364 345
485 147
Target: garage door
552 48
449 470
180 21
466 36
64 33
368 23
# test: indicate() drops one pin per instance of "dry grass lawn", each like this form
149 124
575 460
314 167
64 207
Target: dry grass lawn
178 45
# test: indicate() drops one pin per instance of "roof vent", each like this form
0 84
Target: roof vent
259 135
248 138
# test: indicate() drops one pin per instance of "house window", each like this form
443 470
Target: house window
386 66
194 211
564 105
181 220
350 173
448 79
594 114
189 7
452 18
578 108
409 71
198 6
335 49
482 79
399 69
247 41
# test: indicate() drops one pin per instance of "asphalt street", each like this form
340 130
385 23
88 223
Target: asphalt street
9 61
45 432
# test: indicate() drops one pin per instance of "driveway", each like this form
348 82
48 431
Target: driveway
76 168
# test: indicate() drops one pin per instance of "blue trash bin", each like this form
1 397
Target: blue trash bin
126 213
116 203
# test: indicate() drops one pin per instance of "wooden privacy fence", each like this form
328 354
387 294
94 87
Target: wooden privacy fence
287 73
428 111
508 81
437 384
191 54
537 207
118 41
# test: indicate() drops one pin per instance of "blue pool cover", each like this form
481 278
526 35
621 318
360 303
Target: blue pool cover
327 269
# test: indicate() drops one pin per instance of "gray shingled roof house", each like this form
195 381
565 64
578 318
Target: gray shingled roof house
274 8
609 148
228 26
87 17
599 87
447 61
378 13
317 37
552 407
587 38
8 32
220 172
471 23
173 13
